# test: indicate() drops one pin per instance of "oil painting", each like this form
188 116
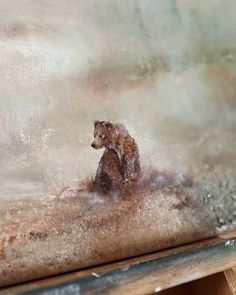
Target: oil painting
118 130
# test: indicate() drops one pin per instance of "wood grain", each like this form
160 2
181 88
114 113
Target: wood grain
212 285
230 275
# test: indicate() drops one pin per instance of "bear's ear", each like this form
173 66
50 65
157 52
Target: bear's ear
95 122
107 124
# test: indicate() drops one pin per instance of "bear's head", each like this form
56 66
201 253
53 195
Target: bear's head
104 134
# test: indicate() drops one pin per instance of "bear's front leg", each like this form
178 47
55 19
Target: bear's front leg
109 173
114 173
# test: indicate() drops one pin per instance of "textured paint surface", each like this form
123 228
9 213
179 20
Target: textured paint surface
167 70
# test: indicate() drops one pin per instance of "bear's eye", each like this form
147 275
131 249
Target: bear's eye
101 136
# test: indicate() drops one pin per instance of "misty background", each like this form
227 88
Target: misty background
166 69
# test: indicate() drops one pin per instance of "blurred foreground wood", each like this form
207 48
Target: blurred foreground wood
215 284
230 275
146 274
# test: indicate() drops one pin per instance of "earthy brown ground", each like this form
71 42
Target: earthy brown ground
75 229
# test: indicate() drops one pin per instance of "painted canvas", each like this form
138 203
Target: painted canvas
118 130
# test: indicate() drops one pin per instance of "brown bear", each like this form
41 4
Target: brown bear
119 165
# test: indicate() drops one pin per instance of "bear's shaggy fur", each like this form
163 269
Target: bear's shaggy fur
119 165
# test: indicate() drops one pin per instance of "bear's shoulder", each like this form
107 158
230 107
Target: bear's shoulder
121 130
129 145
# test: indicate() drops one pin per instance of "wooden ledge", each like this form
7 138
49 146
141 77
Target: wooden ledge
141 275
